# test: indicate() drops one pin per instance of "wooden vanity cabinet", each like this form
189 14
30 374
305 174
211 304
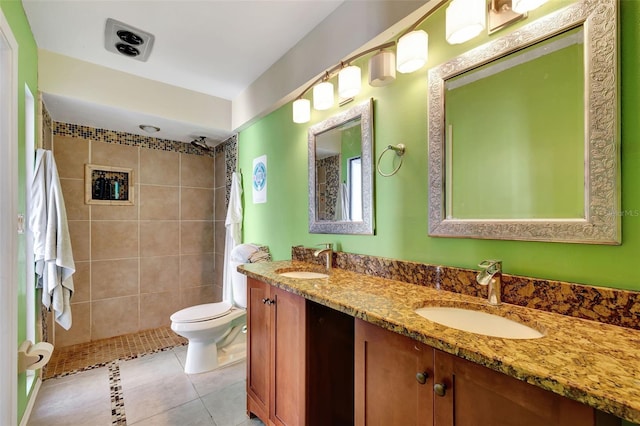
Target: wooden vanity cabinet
299 359
393 378
475 395
275 354
456 392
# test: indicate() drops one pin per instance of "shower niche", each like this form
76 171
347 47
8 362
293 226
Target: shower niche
108 185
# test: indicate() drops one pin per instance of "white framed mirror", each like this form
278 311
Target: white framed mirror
340 152
524 133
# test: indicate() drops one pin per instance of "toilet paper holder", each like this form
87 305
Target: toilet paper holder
33 357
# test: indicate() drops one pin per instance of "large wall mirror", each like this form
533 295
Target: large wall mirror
524 134
340 173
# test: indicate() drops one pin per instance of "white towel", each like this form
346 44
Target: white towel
53 256
233 236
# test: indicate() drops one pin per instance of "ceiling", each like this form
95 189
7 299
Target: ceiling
214 47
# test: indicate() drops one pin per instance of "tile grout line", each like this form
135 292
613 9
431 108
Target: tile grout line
118 416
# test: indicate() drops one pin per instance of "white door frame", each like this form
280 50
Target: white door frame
29 149
8 224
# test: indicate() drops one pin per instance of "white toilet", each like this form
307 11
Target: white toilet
212 326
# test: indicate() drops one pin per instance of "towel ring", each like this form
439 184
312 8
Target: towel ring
399 150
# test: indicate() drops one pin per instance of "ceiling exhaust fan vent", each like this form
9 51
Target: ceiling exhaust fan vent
126 40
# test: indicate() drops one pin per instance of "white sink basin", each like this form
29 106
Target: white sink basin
478 322
303 274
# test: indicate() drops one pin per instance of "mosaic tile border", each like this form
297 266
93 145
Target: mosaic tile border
46 117
230 162
606 305
118 416
130 139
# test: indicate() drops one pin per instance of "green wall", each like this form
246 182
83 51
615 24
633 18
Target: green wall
400 112
27 74
350 148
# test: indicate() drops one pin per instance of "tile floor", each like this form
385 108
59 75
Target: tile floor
149 390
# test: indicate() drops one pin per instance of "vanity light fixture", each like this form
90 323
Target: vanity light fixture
382 68
501 14
323 95
523 6
349 81
465 19
301 110
413 51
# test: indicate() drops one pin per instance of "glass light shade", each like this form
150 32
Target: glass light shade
323 95
382 68
413 51
523 6
301 111
465 19
349 81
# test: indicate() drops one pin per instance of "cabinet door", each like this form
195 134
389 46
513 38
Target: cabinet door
258 347
389 371
288 352
475 395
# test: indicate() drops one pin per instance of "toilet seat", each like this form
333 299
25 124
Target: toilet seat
199 313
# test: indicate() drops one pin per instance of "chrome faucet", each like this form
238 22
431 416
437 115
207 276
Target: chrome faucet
328 252
491 275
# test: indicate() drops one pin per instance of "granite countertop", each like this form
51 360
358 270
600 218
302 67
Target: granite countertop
591 362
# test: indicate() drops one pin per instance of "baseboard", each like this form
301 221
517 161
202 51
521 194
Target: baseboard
31 403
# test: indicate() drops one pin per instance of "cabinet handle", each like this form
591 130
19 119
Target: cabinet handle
440 389
265 300
422 377
268 301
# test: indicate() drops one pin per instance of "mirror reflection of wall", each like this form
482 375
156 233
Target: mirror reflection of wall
339 173
327 186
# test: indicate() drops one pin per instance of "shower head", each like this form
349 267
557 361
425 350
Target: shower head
201 143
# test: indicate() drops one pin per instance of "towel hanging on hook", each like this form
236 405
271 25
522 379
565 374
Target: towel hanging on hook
399 150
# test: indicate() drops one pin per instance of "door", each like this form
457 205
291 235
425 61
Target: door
8 223
288 351
393 378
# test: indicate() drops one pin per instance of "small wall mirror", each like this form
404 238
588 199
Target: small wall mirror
523 133
340 173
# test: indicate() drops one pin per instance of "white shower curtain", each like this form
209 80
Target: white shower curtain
233 237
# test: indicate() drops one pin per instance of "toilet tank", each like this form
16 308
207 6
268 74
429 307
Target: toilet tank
239 283
238 256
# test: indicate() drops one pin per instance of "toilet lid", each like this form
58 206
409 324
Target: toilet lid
202 312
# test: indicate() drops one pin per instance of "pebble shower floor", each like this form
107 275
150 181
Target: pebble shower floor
90 355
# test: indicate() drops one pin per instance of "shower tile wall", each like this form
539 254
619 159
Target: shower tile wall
136 265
